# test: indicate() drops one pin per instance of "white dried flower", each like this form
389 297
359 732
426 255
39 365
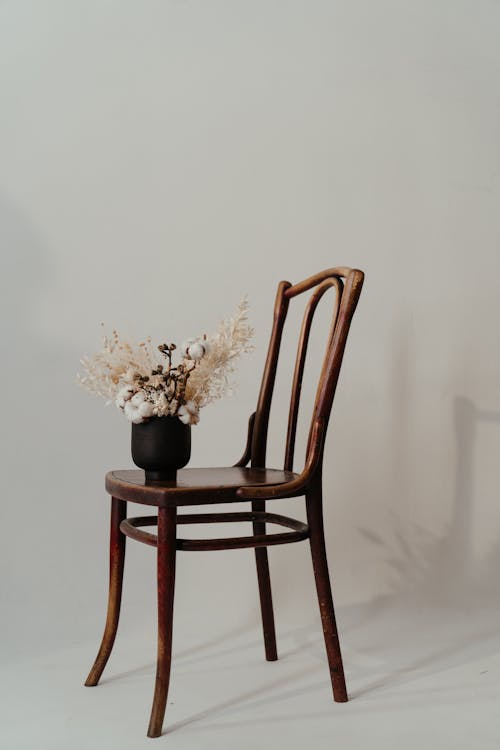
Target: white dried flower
212 377
132 413
128 376
189 413
184 347
119 360
138 408
138 398
194 349
146 409
144 384
123 395
160 404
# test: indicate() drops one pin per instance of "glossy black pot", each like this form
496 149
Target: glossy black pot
160 446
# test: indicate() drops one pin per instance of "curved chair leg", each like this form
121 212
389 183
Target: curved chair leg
166 581
266 600
116 563
320 566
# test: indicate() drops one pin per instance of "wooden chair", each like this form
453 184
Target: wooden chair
242 482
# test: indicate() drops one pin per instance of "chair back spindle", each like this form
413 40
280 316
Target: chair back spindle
346 284
259 438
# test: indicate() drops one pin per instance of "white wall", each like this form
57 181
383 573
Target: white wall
161 159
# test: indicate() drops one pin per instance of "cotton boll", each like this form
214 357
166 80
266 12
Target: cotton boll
123 395
130 411
188 413
137 409
184 347
196 351
133 413
138 398
145 410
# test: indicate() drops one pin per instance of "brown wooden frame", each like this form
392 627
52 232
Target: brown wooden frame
255 483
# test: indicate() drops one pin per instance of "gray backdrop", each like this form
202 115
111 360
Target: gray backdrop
161 159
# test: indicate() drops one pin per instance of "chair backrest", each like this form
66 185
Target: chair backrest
347 284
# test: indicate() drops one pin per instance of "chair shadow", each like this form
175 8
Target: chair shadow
244 698
438 574
192 655
472 643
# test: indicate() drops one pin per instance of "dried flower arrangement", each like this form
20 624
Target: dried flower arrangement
145 384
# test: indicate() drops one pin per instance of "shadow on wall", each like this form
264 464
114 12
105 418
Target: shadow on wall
443 569
443 610
455 564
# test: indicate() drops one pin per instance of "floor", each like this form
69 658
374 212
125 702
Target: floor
417 677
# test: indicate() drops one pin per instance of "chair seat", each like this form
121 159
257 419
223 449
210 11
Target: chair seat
192 486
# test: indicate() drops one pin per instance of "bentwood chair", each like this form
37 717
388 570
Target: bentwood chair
255 483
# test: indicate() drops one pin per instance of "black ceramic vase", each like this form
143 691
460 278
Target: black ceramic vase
160 446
